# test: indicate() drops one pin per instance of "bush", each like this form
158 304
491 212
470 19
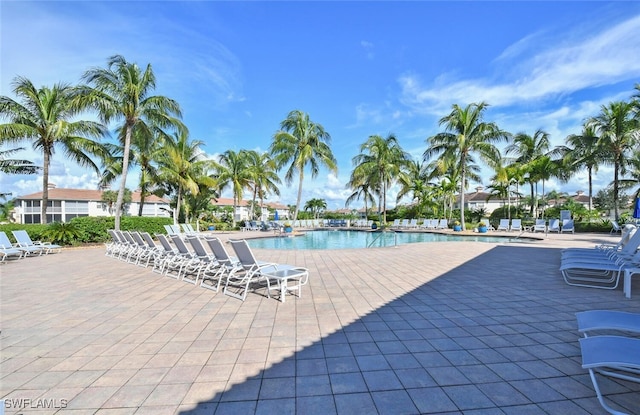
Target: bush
63 233
87 229
35 231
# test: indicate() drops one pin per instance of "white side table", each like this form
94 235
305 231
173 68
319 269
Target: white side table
288 280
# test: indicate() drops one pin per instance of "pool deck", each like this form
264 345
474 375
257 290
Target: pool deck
446 328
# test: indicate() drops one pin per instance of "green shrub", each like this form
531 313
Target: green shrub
35 231
63 233
88 229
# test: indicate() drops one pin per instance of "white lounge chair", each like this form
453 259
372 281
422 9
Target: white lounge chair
27 250
612 356
516 225
626 247
223 266
615 227
554 225
287 277
568 226
24 240
503 225
10 252
596 273
540 226
443 224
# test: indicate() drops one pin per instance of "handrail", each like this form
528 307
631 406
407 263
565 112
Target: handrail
382 231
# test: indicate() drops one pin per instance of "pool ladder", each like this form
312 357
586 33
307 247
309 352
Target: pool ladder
395 238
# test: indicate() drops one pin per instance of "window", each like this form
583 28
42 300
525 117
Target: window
76 207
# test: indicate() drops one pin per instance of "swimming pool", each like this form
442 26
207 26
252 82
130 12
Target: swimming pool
338 239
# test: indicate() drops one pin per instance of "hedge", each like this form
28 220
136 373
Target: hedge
92 229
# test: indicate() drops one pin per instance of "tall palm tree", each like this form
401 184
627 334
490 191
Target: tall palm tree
528 148
583 151
466 134
619 132
264 178
16 166
184 168
45 116
302 143
122 92
233 171
381 161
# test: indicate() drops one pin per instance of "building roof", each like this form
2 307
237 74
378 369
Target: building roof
86 194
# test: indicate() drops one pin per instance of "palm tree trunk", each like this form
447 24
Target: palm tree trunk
590 191
45 187
532 199
143 191
616 189
125 169
463 175
295 214
176 216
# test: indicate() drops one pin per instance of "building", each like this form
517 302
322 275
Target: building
481 200
66 204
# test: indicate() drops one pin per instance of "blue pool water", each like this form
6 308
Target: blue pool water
334 239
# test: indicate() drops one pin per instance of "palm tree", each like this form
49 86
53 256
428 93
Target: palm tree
583 151
122 92
466 134
619 136
316 206
264 178
528 148
380 162
302 142
45 117
414 182
16 166
233 170
361 190
184 168
147 147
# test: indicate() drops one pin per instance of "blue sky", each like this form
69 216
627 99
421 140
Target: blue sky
357 68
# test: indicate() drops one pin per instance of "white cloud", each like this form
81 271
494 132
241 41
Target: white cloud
605 58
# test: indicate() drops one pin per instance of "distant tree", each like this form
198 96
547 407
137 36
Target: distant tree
528 149
264 178
301 142
184 168
619 129
380 163
465 134
233 171
315 206
109 197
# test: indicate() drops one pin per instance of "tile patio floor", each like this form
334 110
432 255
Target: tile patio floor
446 328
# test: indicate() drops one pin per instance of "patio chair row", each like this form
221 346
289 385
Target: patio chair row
614 356
604 265
175 259
24 246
